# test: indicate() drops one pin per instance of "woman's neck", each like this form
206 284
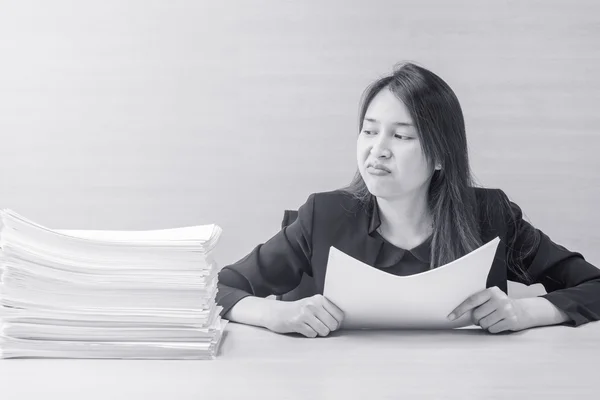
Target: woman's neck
406 222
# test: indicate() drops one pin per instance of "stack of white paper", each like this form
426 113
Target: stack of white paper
108 294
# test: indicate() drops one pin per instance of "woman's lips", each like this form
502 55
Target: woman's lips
377 171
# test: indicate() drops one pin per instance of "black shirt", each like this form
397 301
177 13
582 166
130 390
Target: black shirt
395 260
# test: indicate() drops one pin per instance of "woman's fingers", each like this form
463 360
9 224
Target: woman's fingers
305 329
500 326
476 300
483 311
315 316
334 311
326 318
317 325
490 319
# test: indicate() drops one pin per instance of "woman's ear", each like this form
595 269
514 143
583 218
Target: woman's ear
438 166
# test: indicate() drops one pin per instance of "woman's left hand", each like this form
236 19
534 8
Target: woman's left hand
494 311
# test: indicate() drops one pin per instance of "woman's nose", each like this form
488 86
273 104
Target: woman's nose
380 149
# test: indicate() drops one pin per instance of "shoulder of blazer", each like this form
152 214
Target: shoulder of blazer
494 211
337 204
487 198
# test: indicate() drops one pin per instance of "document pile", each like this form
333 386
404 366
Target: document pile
108 294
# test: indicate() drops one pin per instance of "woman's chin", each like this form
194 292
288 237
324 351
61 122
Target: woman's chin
379 190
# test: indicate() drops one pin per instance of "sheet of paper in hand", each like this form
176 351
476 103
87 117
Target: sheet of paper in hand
374 299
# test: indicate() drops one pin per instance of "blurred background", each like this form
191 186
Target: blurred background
158 114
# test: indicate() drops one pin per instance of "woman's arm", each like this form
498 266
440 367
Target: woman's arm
275 267
250 310
573 284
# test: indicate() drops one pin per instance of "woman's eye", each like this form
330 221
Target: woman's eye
368 132
402 137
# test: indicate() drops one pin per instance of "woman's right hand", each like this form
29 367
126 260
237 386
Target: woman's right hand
312 316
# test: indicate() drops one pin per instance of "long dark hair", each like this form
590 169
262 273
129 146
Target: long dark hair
438 117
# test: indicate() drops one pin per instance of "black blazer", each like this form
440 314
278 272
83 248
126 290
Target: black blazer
337 219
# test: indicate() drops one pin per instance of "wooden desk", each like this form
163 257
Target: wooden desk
549 363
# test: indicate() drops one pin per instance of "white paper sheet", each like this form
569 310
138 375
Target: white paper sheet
374 299
198 234
188 247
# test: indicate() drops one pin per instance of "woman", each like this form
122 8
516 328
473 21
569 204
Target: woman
412 206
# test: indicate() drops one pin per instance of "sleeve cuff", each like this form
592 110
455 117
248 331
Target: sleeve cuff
568 306
230 299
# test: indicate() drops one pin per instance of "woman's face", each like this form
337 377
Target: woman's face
389 154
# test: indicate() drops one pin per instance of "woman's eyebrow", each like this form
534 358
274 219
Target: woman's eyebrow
393 123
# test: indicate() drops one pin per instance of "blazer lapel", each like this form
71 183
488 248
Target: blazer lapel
356 241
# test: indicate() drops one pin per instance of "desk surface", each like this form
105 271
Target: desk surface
551 362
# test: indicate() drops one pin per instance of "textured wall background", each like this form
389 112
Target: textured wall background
148 114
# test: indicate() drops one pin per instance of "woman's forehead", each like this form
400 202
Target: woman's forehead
386 108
